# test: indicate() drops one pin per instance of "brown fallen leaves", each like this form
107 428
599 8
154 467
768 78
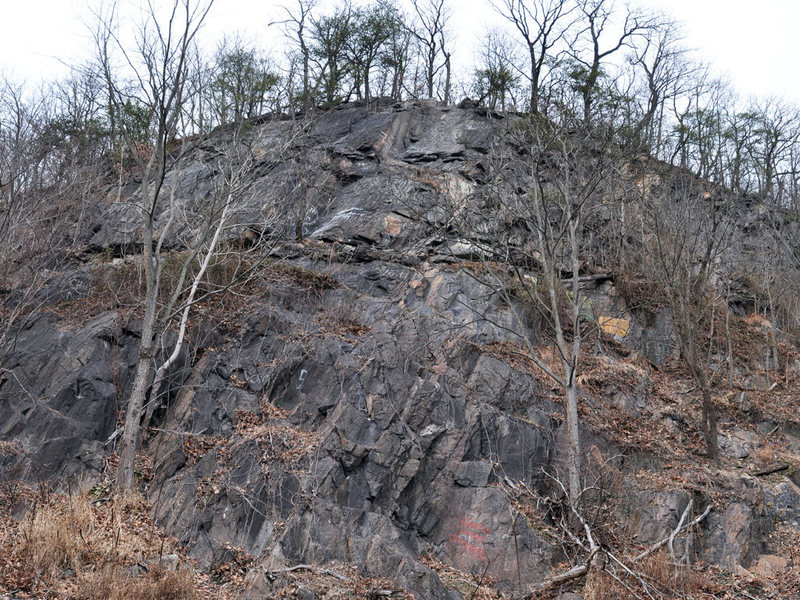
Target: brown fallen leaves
276 438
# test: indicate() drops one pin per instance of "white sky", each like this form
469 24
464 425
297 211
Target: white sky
755 43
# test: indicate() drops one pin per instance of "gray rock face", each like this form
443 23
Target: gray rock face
656 514
399 451
369 423
658 340
60 394
59 397
731 537
473 473
786 502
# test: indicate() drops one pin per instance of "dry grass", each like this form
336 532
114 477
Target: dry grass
657 570
112 582
9 448
92 547
232 285
341 326
55 535
639 292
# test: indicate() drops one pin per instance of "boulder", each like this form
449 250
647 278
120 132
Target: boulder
655 515
732 448
769 566
474 473
735 538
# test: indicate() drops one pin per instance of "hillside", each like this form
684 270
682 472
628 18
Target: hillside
357 411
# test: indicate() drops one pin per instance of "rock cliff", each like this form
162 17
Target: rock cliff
362 403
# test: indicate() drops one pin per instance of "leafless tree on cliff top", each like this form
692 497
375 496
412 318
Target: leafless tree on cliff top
595 44
296 29
430 31
542 25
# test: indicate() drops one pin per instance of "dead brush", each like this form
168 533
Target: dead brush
54 536
114 582
92 547
673 582
277 439
607 585
665 575
602 586
341 322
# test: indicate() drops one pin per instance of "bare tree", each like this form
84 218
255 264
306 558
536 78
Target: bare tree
699 128
777 131
205 237
396 59
296 26
52 146
159 69
495 79
596 18
21 202
774 268
329 36
531 234
373 27
543 26
662 62
430 31
687 234
241 79
738 134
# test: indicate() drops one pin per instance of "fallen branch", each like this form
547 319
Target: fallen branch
578 570
183 433
666 540
562 578
685 514
588 278
114 436
771 470
272 574
637 576
619 580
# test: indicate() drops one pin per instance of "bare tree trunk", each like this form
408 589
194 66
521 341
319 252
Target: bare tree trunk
694 364
773 338
165 366
728 336
306 86
144 364
709 424
573 440
447 83
534 108
431 69
141 382
130 436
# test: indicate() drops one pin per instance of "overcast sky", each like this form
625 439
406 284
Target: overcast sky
754 43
